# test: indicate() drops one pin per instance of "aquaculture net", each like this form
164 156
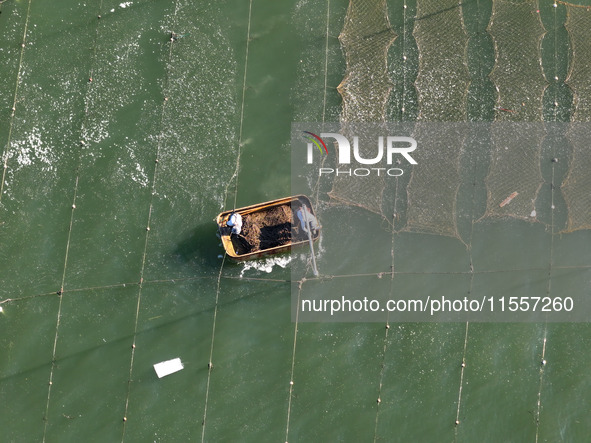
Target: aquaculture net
442 86
517 31
578 25
434 183
365 39
443 78
576 187
515 177
512 166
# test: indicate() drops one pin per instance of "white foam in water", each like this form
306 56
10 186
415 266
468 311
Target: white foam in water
265 265
31 149
125 5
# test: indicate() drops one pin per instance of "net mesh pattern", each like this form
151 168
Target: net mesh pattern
354 188
578 26
517 31
576 187
442 85
515 176
366 37
433 188
443 78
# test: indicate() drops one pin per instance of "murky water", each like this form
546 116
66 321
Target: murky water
116 129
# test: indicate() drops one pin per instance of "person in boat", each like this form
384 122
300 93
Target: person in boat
235 222
304 215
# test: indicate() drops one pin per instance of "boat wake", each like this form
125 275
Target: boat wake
265 265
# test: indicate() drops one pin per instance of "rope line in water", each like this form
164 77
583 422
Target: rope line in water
14 101
67 252
234 177
470 257
463 366
148 222
293 355
572 5
326 62
240 141
280 280
387 326
548 292
316 192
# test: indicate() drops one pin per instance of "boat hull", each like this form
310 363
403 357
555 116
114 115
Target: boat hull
260 209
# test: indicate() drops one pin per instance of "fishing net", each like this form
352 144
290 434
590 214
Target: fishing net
576 188
351 186
517 32
515 177
365 38
512 170
578 25
443 78
433 187
442 85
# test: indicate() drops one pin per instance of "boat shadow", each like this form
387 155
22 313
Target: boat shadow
201 247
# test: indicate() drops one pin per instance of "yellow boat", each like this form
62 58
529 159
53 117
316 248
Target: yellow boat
268 228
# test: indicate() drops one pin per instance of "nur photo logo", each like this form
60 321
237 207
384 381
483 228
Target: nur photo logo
387 151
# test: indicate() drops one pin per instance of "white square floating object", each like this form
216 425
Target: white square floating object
168 367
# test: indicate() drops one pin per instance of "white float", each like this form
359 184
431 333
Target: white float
168 367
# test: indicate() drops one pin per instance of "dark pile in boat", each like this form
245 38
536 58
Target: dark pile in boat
266 230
